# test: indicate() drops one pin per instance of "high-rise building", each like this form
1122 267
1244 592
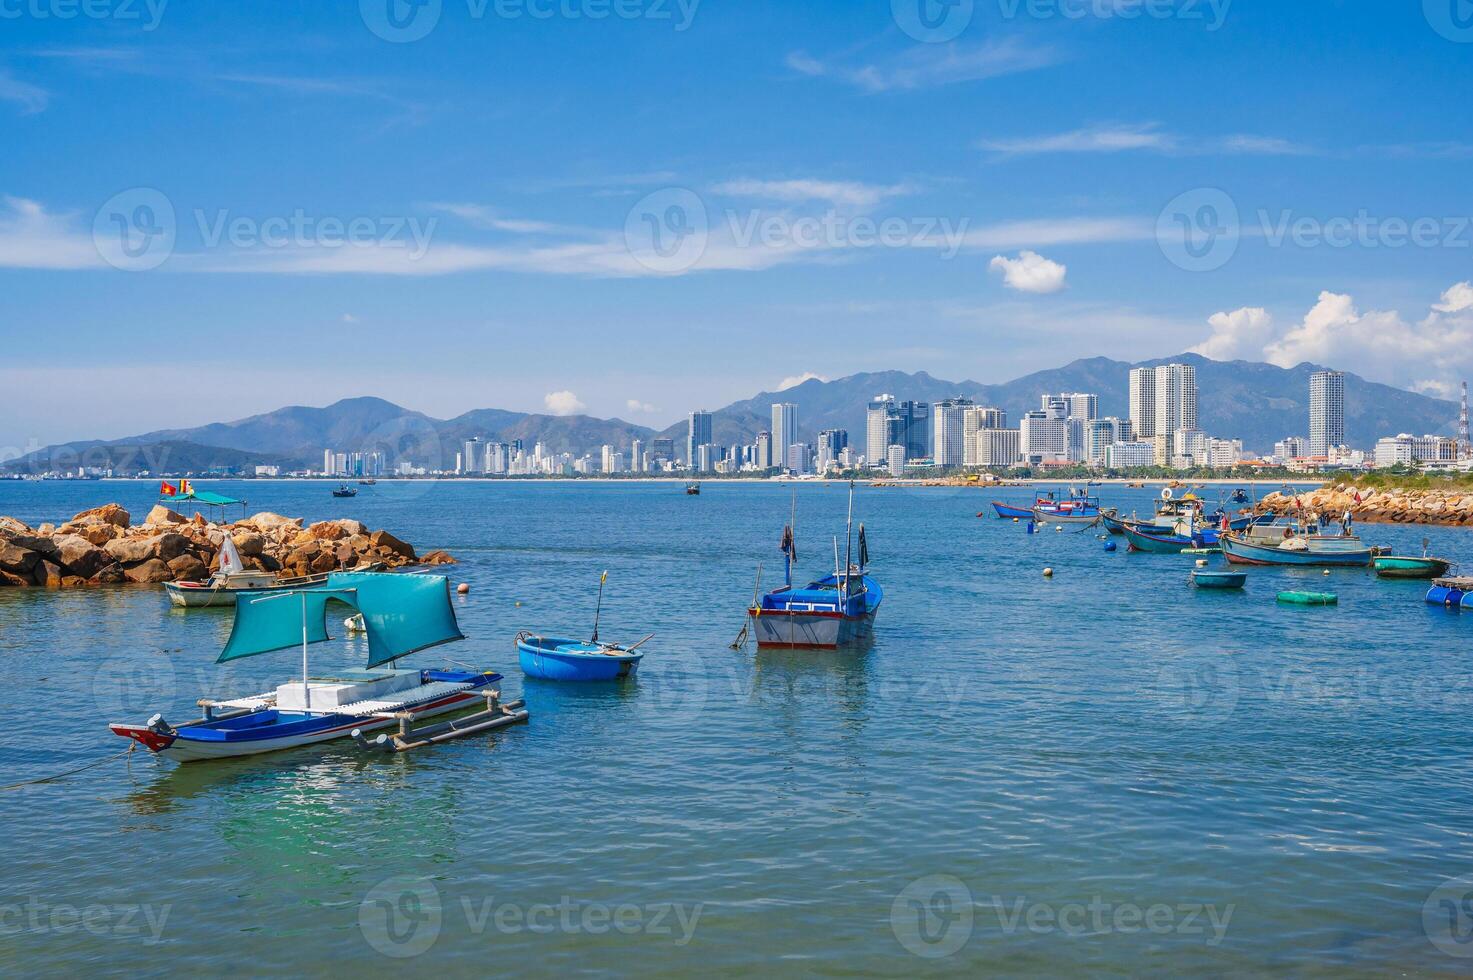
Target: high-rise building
1129 455
1043 438
636 455
891 423
327 467
831 443
1100 434
662 449
472 457
895 460
1082 406
1173 407
762 456
798 458
698 435
948 431
1326 411
784 430
877 429
1143 401
996 447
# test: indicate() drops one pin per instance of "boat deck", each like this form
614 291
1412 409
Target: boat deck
418 695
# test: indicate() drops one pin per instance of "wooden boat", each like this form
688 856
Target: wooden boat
402 614
1153 542
1006 511
1219 580
345 491
1449 592
1309 598
553 659
1112 521
370 482
693 489
232 579
1296 545
1398 566
832 612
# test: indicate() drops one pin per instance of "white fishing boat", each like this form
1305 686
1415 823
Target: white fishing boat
233 578
402 614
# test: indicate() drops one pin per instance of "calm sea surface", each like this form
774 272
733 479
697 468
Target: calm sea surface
1106 772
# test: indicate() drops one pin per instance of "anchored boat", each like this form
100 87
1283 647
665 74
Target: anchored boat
829 613
1219 580
345 491
232 579
1292 543
1400 566
553 659
402 614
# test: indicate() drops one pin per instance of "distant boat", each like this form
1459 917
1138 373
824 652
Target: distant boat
368 482
693 489
345 491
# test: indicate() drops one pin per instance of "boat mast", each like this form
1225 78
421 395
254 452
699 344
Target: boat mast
600 607
306 686
849 538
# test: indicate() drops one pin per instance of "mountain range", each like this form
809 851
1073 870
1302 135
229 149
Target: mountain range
1258 403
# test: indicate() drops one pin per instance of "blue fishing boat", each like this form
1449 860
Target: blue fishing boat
555 659
1009 511
832 612
1294 544
402 614
1153 542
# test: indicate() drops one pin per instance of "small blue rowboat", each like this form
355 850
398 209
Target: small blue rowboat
1007 510
1219 580
553 659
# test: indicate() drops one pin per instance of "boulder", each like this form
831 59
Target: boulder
325 562
385 541
267 521
163 515
188 568
330 530
9 525
100 534
248 543
79 556
437 558
107 514
14 558
47 575
269 564
10 578
131 550
46 530
151 571
110 575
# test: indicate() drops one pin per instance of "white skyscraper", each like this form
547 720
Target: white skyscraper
1082 405
784 430
1143 402
1326 411
948 431
1175 408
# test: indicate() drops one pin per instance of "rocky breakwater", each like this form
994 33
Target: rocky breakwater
102 546
1378 506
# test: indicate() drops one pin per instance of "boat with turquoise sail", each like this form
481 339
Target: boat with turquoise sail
402 614
832 612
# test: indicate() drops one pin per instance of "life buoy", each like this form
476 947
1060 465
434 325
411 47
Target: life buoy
1166 493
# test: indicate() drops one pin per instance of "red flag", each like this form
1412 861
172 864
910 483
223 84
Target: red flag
167 489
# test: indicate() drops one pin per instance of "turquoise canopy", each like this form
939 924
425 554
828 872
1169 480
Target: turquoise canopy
401 613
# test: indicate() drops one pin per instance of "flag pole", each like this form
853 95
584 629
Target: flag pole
599 608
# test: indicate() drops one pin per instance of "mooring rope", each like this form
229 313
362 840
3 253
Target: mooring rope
70 772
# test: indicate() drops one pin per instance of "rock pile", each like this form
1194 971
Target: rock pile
1388 506
102 546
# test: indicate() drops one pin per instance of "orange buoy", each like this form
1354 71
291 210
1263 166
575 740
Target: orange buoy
463 588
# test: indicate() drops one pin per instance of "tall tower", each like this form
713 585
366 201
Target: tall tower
1326 412
784 431
1465 447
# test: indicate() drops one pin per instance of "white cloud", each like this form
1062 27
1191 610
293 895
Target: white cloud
796 380
563 403
33 238
930 65
1431 354
1030 273
645 408
1239 335
837 192
30 98
349 318
1116 138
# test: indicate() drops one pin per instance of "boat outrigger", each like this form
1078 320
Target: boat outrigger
402 614
829 613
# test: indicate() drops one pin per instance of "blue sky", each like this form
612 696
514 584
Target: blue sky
637 207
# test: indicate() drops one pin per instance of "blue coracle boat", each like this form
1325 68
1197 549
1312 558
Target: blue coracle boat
553 659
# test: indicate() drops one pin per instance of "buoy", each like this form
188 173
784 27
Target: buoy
1110 546
1015 520
1327 571
1060 529
1031 527
1048 573
1201 562
519 603
463 588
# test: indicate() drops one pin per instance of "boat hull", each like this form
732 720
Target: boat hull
810 630
1007 511
289 730
1416 568
1065 517
1155 544
546 662
1240 552
199 595
1219 580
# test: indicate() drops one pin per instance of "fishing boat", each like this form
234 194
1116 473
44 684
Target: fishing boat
832 612
1153 541
693 489
402 614
345 491
1112 520
370 482
232 579
1077 508
1007 511
1292 543
553 659
1219 580
1401 566
1449 592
